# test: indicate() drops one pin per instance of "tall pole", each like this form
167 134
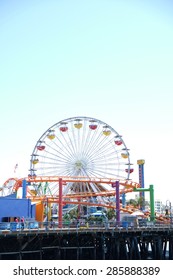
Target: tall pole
123 196
47 210
116 185
24 188
170 209
141 162
60 204
152 210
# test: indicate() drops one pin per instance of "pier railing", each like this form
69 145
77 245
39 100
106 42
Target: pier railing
7 227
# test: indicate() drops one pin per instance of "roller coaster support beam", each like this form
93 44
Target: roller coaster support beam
151 190
123 196
25 184
60 204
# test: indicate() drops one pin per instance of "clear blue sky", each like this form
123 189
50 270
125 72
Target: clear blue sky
110 60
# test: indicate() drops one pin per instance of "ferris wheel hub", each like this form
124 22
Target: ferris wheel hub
78 164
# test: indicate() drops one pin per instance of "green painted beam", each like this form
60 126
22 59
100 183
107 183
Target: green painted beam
151 190
152 210
141 190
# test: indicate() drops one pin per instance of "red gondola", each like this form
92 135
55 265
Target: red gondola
129 170
93 126
118 142
40 147
63 127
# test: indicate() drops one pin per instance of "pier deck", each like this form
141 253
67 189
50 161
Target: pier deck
88 243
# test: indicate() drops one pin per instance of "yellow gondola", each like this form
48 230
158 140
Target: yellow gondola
78 125
124 155
51 135
35 161
106 132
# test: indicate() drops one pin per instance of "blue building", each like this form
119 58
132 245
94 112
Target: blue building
12 207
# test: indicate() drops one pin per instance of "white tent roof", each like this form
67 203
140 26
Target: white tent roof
137 213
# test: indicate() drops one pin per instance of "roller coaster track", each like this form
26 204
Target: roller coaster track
81 198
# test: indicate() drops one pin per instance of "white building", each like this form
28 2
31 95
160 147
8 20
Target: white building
158 206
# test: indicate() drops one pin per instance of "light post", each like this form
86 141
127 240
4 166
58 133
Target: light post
168 206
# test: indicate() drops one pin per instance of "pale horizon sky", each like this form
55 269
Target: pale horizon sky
109 60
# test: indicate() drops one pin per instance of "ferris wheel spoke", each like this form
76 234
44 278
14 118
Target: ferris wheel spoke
76 141
87 138
102 147
101 173
90 138
99 141
56 156
67 188
99 155
86 134
91 145
56 162
67 153
68 145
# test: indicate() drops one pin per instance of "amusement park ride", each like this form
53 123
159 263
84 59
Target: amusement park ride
80 161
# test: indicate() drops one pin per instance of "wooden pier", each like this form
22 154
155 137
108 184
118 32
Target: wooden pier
154 243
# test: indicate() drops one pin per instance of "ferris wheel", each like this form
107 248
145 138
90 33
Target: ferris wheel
80 146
